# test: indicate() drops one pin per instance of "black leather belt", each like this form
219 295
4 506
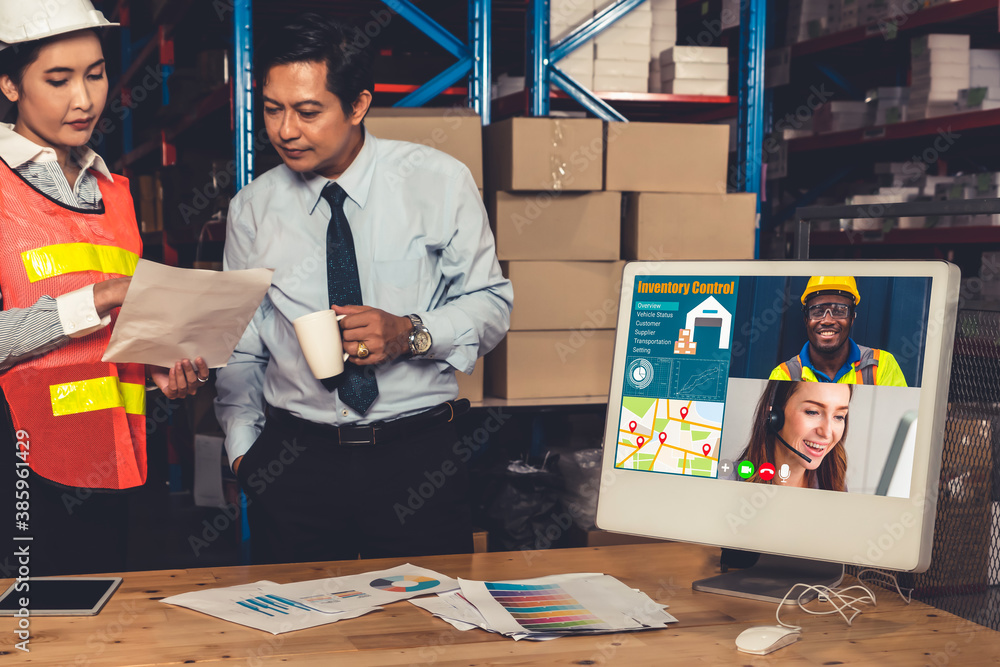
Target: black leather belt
376 432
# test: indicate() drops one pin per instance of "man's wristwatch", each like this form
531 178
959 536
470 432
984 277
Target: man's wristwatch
420 338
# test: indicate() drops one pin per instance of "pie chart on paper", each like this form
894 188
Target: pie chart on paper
404 583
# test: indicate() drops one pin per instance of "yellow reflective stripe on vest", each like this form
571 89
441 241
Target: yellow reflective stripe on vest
57 260
74 398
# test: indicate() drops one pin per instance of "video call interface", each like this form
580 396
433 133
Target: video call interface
734 378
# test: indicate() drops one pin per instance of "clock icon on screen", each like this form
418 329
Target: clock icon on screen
640 373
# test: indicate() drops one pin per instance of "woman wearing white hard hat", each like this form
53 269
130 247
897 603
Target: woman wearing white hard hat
70 244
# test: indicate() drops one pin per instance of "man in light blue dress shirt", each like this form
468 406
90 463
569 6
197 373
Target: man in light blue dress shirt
324 480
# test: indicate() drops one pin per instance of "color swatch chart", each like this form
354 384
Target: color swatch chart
543 607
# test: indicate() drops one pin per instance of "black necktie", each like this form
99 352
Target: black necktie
357 386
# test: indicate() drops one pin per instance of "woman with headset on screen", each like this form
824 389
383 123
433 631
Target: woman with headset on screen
70 244
800 428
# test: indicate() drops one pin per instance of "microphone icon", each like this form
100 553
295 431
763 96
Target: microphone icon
784 473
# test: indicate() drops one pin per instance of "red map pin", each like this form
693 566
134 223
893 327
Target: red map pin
663 437
706 448
640 440
631 426
684 413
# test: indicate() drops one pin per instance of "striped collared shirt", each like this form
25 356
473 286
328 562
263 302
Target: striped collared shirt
45 326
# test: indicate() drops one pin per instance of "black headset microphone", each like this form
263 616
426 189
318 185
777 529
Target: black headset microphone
775 421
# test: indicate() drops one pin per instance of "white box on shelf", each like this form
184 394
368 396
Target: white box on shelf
609 50
621 84
984 58
625 35
931 42
716 71
695 54
663 33
984 78
941 56
623 68
658 46
696 87
932 70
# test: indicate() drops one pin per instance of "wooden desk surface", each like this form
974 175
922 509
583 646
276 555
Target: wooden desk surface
136 629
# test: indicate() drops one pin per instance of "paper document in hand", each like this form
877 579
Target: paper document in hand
172 314
357 591
260 605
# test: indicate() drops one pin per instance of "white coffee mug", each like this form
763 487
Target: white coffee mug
322 343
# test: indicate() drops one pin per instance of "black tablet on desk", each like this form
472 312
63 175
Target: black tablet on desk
59 596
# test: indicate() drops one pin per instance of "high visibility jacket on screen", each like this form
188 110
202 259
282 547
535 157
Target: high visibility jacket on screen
874 367
83 419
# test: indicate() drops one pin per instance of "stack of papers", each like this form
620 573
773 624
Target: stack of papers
279 608
548 607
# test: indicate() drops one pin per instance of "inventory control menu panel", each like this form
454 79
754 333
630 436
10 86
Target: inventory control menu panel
676 373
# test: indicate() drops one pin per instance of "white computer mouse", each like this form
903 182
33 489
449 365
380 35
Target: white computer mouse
763 639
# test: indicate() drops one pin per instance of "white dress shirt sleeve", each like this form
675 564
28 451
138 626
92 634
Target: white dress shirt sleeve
239 406
29 332
78 314
475 314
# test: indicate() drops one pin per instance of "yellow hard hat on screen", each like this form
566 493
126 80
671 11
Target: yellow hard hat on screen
843 284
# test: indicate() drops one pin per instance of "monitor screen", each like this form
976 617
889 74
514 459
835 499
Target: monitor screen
793 408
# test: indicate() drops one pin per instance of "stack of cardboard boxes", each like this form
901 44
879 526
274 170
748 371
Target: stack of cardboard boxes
676 205
557 237
457 132
555 191
939 69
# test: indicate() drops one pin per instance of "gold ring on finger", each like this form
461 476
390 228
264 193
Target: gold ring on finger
362 350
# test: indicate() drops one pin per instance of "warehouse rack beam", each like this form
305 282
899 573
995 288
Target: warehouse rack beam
750 120
805 216
543 72
924 19
243 91
926 127
473 58
543 56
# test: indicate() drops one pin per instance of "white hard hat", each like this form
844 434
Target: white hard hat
28 20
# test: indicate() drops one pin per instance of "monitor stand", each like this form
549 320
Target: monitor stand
772 577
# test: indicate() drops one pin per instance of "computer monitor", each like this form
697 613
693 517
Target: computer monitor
712 369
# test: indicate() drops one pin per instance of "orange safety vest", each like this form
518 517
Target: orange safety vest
83 420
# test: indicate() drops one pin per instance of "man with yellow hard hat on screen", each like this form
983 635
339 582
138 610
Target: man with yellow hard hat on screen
828 305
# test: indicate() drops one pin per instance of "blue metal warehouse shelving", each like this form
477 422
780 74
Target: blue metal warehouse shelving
473 62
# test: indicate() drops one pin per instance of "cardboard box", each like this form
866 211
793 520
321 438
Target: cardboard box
471 386
457 132
564 225
689 226
549 364
542 288
545 154
667 157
